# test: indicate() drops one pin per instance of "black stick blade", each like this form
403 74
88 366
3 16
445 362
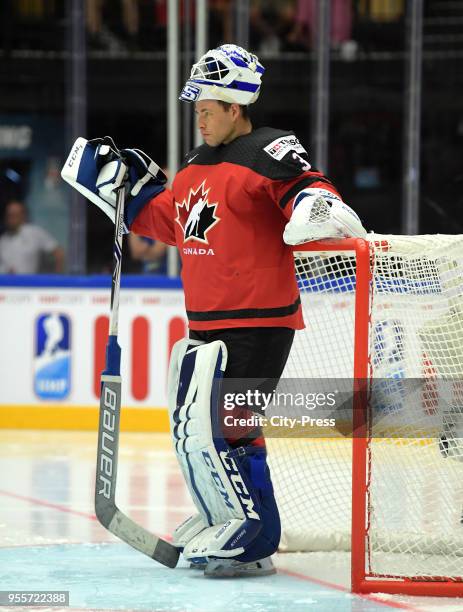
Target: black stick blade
166 554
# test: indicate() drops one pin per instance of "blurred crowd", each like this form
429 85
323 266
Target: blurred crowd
275 26
29 248
366 109
130 26
26 248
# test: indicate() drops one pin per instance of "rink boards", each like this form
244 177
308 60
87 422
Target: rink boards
53 348
54 332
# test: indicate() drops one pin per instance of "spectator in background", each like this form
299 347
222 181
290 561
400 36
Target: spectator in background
23 245
151 252
379 24
271 22
35 9
126 24
94 16
304 32
381 10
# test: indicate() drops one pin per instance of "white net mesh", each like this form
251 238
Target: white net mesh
415 450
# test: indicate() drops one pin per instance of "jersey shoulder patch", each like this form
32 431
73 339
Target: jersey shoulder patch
275 154
283 145
281 155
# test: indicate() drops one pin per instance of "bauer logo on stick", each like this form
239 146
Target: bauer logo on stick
107 442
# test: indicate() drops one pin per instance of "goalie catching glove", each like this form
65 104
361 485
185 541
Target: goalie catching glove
319 214
97 169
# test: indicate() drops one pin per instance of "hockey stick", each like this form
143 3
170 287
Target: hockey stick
106 510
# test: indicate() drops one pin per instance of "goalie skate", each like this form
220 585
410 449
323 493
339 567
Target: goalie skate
230 568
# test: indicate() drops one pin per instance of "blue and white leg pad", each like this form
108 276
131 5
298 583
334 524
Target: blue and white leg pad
229 510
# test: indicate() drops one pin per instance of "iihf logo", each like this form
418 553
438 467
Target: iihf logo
52 359
196 216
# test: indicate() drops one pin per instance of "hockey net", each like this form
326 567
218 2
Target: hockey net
388 311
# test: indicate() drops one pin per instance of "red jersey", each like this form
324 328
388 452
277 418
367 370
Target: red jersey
226 213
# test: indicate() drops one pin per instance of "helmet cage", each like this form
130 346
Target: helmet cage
215 70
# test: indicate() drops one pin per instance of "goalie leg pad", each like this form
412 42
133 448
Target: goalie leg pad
188 530
221 541
253 463
228 501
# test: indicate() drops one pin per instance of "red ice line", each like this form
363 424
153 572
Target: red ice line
40 502
92 517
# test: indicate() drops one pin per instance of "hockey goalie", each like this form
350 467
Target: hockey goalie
236 205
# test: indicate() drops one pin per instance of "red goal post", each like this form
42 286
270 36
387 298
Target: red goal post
359 441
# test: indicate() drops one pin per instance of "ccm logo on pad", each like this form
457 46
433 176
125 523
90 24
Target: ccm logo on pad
74 154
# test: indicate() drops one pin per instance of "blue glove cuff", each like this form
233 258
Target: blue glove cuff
135 204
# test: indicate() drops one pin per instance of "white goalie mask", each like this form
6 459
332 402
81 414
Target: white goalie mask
319 214
228 73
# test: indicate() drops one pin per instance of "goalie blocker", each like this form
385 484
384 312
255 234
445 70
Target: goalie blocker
238 517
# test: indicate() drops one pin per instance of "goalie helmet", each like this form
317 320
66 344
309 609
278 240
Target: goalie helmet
228 73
